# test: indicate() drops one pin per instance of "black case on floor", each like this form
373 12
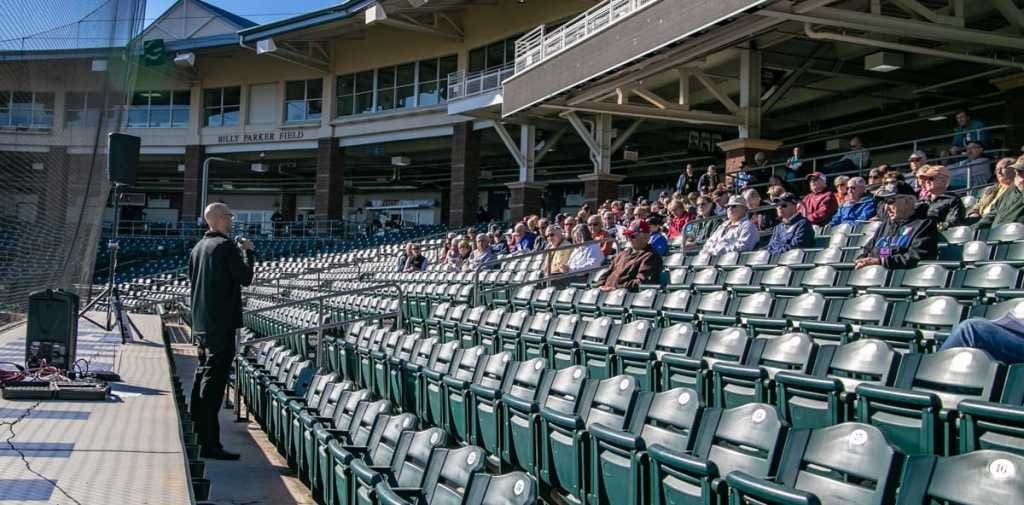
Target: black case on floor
52 329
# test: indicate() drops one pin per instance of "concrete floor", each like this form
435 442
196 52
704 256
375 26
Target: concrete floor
261 476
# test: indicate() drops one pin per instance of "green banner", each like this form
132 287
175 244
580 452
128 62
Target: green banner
154 53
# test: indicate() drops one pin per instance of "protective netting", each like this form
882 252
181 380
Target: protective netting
66 67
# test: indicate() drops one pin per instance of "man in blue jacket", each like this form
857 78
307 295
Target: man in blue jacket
793 230
859 205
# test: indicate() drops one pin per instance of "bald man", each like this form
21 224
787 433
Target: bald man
218 268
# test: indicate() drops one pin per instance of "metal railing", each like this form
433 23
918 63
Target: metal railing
546 277
462 84
538 45
310 228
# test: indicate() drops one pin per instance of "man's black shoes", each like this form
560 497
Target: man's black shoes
220 454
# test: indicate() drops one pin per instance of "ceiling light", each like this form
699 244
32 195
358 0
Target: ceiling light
937 118
259 168
181 167
883 61
227 185
400 161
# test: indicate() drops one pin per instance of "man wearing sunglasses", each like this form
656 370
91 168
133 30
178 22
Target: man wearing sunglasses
944 208
794 230
217 268
906 237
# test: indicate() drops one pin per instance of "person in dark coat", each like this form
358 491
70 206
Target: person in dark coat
639 265
906 237
217 268
944 208
793 230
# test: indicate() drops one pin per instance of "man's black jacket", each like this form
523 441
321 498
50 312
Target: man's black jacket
903 244
218 271
946 210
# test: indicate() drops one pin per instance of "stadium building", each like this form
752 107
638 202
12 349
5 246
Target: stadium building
804 375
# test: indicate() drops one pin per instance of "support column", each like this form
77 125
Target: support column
288 206
193 178
464 197
599 187
53 202
743 149
328 198
525 199
750 93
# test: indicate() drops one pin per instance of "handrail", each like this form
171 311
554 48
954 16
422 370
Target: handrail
537 46
518 256
462 84
320 298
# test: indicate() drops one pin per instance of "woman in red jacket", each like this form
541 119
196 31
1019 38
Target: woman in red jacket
819 205
678 217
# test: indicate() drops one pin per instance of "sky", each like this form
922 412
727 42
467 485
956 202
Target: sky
259 11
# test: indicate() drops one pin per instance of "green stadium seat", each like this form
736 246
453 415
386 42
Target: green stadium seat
739 278
678 280
455 386
918 413
1004 233
514 488
618 461
431 401
912 283
645 304
704 280
379 362
826 395
432 325
337 482
371 345
675 261
470 324
356 434
447 476
991 425
452 320
541 300
981 284
637 339
920 324
319 433
512 327
713 310
736 384
596 345
562 343
482 403
781 280
588 303
979 478
678 306
412 372
849 463
565 300
747 438
615 304
490 325
728 345
867 309
394 365
520 407
533 337
568 398
958 234
407 467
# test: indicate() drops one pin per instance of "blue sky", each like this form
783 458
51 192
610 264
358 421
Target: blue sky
259 11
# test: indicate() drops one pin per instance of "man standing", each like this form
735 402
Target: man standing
218 268
819 205
793 230
906 238
967 130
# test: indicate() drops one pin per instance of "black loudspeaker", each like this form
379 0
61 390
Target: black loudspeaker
122 158
52 331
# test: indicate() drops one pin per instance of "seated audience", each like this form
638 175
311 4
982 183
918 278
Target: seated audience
587 256
906 237
635 266
858 158
859 205
596 231
658 241
403 258
976 169
462 252
525 239
1002 338
1004 181
709 181
556 261
840 192
701 229
415 261
735 234
794 230
944 208
764 220
819 205
499 243
1010 207
480 256
678 217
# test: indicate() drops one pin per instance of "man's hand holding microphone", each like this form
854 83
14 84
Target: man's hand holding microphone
245 244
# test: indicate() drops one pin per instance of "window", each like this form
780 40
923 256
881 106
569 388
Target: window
303 100
158 109
415 84
221 106
493 55
83 109
26 109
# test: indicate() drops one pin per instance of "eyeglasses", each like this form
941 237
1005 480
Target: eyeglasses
594 224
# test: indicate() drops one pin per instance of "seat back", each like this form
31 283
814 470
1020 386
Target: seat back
409 465
984 477
465 363
527 379
992 276
790 352
866 309
515 488
566 389
926 276
672 419
386 434
872 276
567 327
1006 232
492 370
746 438
861 361
449 473
613 403
424 351
729 345
957 374
345 411
363 421
677 339
845 463
808 306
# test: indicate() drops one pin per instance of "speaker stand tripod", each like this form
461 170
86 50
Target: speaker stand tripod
116 314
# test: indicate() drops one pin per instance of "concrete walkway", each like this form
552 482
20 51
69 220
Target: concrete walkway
261 476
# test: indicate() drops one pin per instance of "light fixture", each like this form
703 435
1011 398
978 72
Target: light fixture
265 46
185 60
227 185
400 161
259 168
937 118
181 167
883 61
38 166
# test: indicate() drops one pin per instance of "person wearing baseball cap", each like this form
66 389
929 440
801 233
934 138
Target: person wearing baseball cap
639 264
906 237
859 205
793 230
946 209
819 205
658 240
1010 206
736 234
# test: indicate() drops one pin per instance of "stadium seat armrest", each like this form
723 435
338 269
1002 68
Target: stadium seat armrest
1013 414
518 404
745 484
388 495
809 382
615 437
874 392
682 462
454 383
740 371
368 474
488 393
565 421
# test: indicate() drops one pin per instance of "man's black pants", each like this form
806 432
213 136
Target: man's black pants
208 389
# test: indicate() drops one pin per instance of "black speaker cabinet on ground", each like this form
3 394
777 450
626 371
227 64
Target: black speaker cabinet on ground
52 329
122 158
